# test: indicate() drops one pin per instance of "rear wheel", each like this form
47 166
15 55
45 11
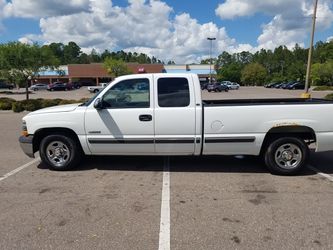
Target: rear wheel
96 90
60 152
286 156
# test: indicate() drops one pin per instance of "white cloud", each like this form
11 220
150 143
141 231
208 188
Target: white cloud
151 27
291 21
25 40
44 8
142 26
2 14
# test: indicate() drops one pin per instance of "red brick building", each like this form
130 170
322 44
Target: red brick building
94 73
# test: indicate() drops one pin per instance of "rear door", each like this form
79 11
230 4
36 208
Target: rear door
174 115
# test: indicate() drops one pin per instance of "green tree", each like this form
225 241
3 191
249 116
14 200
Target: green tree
72 52
20 61
115 67
254 74
230 72
322 73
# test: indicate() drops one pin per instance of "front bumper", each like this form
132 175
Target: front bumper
26 145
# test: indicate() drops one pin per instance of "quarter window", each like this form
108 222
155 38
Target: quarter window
133 93
173 92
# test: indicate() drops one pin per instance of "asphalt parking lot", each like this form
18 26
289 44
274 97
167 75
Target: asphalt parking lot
162 202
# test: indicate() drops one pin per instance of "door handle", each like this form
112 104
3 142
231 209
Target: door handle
145 118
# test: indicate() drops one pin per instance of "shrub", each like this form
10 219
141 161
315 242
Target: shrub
323 88
63 102
31 105
17 107
6 103
50 103
329 97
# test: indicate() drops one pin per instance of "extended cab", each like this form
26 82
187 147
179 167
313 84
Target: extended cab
163 114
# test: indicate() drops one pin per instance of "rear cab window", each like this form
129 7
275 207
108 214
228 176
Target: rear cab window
173 92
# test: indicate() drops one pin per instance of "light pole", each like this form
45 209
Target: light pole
27 87
211 39
308 69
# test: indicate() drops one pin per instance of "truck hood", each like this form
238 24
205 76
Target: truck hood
56 109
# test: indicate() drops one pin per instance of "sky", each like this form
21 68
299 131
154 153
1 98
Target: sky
168 29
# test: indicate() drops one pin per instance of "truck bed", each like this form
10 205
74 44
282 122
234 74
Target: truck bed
250 102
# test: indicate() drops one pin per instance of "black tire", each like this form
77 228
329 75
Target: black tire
286 155
96 90
35 89
69 149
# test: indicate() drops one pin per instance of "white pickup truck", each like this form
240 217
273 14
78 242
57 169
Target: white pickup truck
95 89
163 114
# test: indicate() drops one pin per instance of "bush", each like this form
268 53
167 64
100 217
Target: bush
6 103
323 88
17 107
50 102
63 102
329 97
31 105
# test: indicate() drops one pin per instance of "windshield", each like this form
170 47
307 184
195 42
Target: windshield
87 103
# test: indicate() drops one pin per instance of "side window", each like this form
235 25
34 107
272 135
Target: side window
173 92
133 93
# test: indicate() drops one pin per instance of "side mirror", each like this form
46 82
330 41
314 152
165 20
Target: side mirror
98 104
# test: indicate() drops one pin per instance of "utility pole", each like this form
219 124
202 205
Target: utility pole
211 39
308 70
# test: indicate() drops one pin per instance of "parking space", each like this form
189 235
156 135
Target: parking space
115 202
235 204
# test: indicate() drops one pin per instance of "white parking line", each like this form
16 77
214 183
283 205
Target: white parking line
327 176
164 237
19 169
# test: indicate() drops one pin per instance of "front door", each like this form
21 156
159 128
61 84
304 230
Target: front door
125 124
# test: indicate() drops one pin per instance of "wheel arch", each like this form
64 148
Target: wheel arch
41 133
302 132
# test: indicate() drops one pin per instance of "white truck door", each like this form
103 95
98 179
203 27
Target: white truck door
125 124
174 115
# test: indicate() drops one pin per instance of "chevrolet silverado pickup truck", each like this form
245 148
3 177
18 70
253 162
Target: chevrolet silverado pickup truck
163 114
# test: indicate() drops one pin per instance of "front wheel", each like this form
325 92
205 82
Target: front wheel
60 152
286 156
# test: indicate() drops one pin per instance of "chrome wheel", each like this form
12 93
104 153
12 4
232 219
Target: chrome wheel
58 153
288 156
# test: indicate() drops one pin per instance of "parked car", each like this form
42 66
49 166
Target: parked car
4 85
286 85
296 85
272 84
279 130
203 85
95 89
38 86
57 86
76 85
277 86
217 87
231 85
